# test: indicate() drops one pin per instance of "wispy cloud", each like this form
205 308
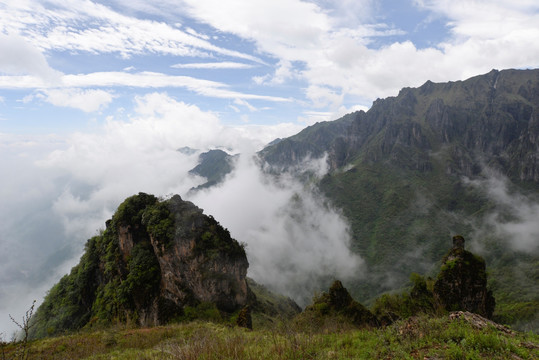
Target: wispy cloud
86 26
213 65
89 100
18 56
137 80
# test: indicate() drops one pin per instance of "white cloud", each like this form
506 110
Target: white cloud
515 217
86 100
294 241
326 53
322 96
325 44
18 57
242 102
214 65
83 25
312 117
138 80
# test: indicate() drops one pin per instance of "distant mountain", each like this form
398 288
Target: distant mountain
214 165
186 150
403 175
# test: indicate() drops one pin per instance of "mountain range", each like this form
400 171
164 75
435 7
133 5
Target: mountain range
432 162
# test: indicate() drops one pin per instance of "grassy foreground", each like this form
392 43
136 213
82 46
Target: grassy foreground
415 338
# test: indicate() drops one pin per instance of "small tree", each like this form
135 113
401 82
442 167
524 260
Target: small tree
25 326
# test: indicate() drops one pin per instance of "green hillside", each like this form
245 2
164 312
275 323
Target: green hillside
419 167
417 338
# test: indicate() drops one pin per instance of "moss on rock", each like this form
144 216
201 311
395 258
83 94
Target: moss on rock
462 282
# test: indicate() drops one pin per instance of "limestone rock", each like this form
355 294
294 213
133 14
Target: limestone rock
478 321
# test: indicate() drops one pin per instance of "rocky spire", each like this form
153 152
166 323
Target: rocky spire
462 282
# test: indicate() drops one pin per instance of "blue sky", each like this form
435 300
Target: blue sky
96 96
256 62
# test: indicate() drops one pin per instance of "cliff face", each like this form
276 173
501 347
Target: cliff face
399 172
493 116
197 258
154 259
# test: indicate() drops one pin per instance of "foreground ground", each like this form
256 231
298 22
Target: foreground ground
416 338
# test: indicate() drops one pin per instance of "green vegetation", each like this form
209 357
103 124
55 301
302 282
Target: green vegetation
216 240
389 308
214 165
419 338
397 173
337 302
118 277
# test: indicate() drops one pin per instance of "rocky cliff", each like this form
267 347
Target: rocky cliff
405 175
154 260
493 116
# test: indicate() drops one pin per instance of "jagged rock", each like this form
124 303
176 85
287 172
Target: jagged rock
201 261
478 321
462 282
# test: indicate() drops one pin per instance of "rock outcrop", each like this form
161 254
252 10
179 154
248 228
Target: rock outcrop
154 259
462 282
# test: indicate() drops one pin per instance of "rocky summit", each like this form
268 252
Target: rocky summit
155 260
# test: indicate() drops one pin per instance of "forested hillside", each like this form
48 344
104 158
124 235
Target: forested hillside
442 159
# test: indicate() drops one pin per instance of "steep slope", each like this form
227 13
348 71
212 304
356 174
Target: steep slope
154 259
412 171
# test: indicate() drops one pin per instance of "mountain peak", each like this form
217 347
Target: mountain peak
155 258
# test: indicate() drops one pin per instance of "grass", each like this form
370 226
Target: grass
415 338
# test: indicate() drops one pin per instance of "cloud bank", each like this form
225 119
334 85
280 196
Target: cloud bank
295 242
62 190
514 217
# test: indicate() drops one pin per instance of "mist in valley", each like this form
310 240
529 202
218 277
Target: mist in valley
60 193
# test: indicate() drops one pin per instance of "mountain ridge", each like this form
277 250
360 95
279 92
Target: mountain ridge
415 169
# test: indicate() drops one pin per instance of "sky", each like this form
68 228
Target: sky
97 96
